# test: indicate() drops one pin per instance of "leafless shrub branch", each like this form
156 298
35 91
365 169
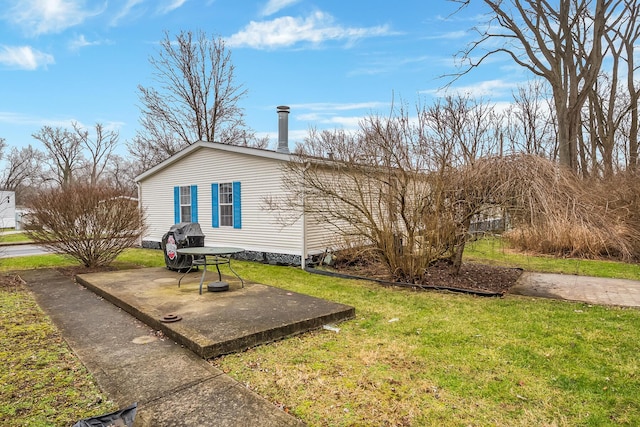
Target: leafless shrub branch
90 223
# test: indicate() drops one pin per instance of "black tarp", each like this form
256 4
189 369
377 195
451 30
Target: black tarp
121 418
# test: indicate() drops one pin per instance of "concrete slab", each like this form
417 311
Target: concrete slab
214 323
593 290
171 385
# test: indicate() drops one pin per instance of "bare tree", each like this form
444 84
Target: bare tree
120 173
629 36
459 130
154 144
63 151
196 98
100 147
561 43
92 224
467 126
23 168
529 122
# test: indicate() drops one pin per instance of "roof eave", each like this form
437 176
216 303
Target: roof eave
216 146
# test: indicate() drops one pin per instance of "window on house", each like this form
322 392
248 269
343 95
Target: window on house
226 204
185 204
226 207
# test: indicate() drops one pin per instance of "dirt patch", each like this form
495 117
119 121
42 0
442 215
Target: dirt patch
472 277
478 277
10 283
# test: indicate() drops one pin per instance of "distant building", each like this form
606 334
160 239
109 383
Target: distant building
7 209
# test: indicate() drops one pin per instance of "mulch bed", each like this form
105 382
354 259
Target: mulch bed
473 277
479 277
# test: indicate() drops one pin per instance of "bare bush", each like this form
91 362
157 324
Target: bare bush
92 224
552 211
393 188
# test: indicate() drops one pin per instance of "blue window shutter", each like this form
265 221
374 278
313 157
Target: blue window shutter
176 205
237 211
215 210
194 203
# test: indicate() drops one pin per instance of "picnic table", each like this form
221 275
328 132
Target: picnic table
210 255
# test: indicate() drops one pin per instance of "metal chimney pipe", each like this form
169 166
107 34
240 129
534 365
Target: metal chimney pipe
283 129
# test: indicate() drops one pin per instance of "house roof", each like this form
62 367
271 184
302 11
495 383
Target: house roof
249 151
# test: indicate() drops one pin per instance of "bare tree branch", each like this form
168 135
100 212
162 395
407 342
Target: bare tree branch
561 42
64 152
196 98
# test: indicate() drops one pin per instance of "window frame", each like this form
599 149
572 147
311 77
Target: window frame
225 204
185 191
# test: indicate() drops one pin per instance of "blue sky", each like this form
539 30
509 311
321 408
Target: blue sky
331 61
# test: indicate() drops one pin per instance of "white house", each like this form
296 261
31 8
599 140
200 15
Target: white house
223 188
7 209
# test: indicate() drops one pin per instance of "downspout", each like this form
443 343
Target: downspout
303 257
139 209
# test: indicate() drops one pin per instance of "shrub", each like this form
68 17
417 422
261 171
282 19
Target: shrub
554 212
92 224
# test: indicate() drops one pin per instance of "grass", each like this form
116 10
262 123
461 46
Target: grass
14 238
35 262
130 258
428 358
408 358
43 383
497 252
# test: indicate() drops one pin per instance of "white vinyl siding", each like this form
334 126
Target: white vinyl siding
321 237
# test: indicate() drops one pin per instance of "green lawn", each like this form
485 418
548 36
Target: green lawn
14 238
495 251
431 358
409 357
43 383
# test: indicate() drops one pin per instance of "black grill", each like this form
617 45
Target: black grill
182 235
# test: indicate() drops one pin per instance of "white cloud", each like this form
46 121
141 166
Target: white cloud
287 31
452 35
20 119
24 57
170 5
274 6
489 88
15 118
336 115
125 11
49 16
461 17
389 64
81 41
330 106
347 122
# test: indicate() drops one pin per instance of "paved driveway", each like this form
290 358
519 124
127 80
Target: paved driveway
594 290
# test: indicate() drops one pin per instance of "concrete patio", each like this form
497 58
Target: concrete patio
214 323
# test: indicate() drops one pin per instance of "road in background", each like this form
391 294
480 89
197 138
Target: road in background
11 251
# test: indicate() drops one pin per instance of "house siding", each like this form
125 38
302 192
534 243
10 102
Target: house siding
321 237
259 177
